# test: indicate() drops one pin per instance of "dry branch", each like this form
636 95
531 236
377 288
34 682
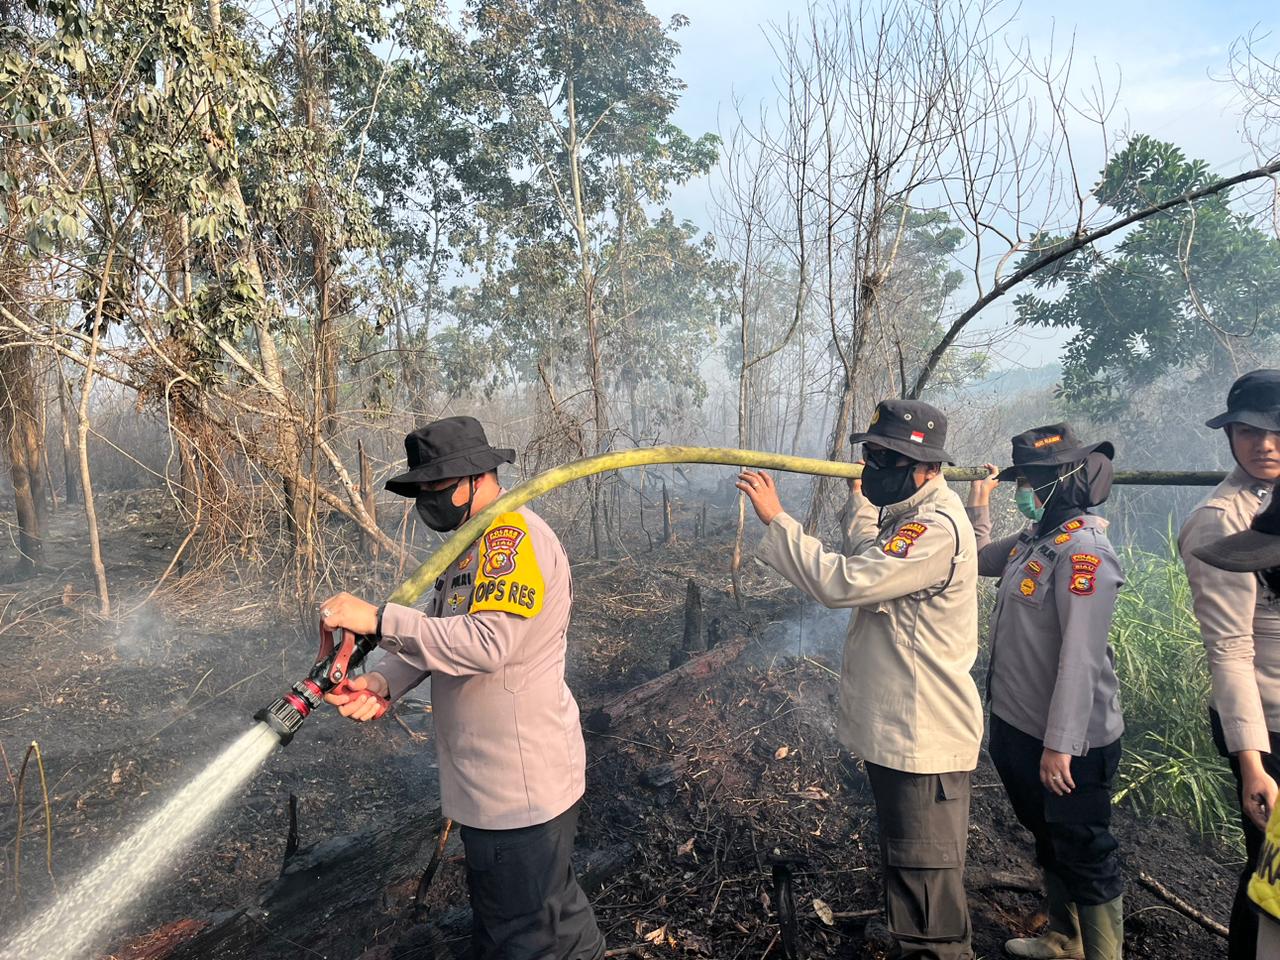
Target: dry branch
1175 901
701 666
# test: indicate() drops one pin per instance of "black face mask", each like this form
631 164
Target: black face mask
439 512
886 485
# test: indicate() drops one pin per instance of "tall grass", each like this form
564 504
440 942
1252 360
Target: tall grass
1170 765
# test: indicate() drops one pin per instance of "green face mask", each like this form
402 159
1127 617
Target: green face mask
1025 498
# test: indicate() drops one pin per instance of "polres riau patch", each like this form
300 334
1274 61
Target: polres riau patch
900 544
509 579
1084 573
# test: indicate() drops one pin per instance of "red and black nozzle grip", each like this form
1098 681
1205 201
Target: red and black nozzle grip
331 672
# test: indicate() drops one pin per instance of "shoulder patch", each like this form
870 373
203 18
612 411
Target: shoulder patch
1084 573
1062 538
1073 524
1083 584
509 578
900 544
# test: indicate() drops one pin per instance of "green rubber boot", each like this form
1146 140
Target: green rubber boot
1102 929
1061 939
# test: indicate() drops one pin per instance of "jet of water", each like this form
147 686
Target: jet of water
97 904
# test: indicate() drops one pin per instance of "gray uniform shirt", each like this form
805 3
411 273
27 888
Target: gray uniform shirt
1239 623
508 737
1052 671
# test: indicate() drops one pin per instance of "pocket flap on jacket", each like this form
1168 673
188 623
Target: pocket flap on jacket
923 854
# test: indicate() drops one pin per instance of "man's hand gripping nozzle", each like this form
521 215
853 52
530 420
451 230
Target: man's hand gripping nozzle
331 672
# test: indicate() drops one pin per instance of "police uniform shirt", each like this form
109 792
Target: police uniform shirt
1239 621
1052 670
493 639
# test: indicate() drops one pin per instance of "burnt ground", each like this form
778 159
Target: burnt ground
701 790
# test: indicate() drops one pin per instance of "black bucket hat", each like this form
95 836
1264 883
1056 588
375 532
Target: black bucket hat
1257 548
912 428
1051 446
452 447
1253 399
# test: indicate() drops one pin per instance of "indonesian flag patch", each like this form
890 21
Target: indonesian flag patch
917 436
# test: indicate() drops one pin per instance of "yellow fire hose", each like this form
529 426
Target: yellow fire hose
548 480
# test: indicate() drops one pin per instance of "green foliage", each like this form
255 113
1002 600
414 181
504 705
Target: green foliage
1181 289
581 96
1169 765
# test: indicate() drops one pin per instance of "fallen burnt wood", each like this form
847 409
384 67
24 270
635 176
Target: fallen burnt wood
326 898
704 665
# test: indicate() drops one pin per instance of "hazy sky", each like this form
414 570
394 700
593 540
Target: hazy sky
1168 59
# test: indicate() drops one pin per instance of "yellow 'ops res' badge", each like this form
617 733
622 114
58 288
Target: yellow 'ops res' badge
509 578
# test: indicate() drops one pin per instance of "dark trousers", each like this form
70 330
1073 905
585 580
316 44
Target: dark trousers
1242 944
1072 833
526 903
924 831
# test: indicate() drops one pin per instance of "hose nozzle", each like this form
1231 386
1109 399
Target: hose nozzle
285 715
332 668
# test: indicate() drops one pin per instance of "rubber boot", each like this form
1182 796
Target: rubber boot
1102 930
1061 939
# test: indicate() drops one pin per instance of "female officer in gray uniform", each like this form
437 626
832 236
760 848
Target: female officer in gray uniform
1051 682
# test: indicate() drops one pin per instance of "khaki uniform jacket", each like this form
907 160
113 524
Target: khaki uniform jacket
1052 673
1239 623
907 700
508 738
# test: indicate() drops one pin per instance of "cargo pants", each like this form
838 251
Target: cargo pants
924 832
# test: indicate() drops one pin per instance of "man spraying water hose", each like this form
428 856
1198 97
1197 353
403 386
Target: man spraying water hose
509 743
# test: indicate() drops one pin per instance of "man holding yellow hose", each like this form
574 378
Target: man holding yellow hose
508 738
908 705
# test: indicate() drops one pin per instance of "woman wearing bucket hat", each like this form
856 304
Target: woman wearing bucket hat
509 743
1256 552
1051 682
1240 625
908 705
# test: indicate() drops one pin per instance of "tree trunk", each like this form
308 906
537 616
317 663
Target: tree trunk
289 449
70 469
368 545
18 422
587 281
840 431
18 414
